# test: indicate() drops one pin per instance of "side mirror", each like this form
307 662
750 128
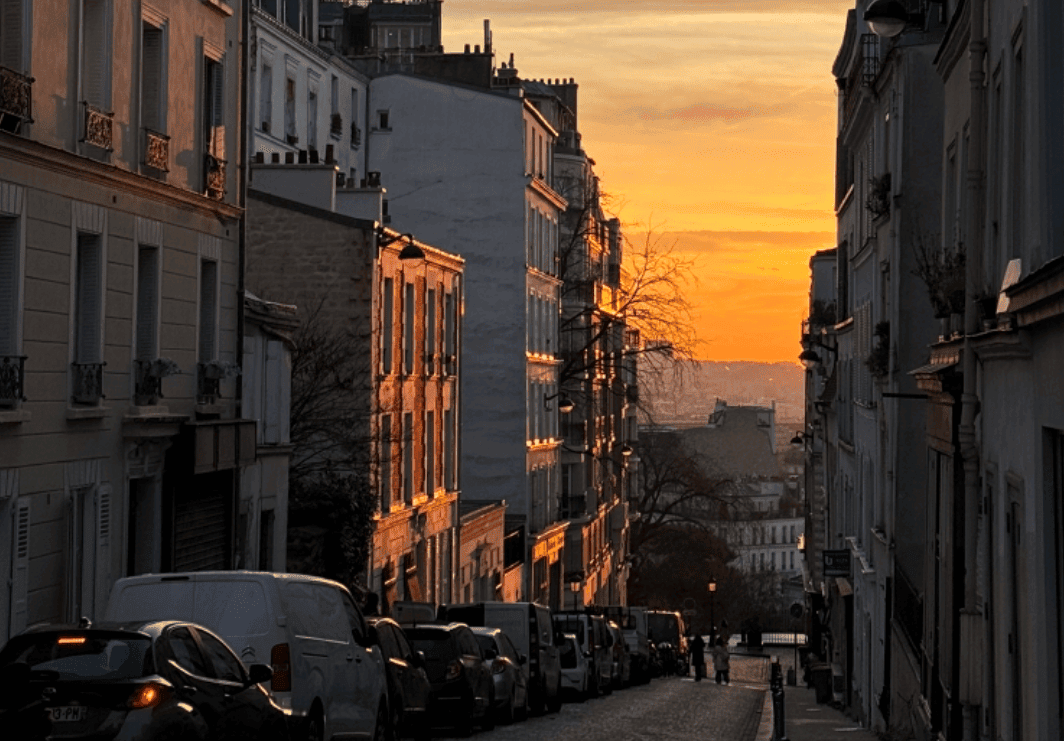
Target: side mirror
259 673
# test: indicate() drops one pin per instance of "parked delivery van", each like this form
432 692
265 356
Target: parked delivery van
326 663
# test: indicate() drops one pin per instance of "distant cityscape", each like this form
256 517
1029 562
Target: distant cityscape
684 394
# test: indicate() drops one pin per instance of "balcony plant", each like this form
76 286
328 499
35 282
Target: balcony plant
878 361
943 272
219 369
878 200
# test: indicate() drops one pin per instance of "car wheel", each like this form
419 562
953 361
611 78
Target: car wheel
554 704
524 710
315 726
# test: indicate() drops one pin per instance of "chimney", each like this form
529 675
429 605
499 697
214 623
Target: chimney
487 36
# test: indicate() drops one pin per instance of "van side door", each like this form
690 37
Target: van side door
370 680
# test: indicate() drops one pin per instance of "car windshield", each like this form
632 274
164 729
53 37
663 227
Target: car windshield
487 643
79 655
567 654
435 644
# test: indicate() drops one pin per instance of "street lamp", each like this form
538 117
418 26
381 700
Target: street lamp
712 622
886 18
574 587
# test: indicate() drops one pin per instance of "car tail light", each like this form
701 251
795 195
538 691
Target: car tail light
498 666
454 670
280 659
148 695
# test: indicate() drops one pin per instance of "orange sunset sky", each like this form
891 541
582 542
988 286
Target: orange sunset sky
713 121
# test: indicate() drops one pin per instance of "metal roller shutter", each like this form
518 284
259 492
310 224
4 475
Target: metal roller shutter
201 529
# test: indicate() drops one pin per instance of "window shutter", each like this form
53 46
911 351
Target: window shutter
266 98
147 302
216 103
11 40
20 566
89 295
95 56
151 79
271 413
208 313
9 279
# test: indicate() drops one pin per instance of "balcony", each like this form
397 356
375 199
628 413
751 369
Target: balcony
16 100
99 127
156 150
215 177
87 382
12 380
148 378
864 72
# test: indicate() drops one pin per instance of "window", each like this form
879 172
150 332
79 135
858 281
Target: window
386 463
290 110
408 457
430 332
208 311
13 39
312 120
10 270
388 320
186 653
95 54
449 450
430 453
147 322
383 121
88 318
266 97
214 107
408 329
153 79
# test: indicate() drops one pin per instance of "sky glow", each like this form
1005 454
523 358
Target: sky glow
711 122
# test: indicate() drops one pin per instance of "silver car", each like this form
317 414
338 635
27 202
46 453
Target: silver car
508 671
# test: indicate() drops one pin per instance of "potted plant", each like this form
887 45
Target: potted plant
219 369
878 199
943 272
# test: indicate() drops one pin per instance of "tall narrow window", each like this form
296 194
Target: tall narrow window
152 90
208 311
96 58
290 110
388 320
147 327
312 120
449 451
13 35
386 463
408 457
1018 175
214 107
88 320
430 332
9 286
430 453
266 97
408 329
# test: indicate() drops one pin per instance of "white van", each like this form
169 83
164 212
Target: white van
633 624
325 662
531 629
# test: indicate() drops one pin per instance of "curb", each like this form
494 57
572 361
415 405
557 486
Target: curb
765 728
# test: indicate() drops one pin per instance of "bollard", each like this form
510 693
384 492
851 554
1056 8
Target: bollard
779 721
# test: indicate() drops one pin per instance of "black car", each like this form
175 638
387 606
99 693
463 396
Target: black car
463 691
145 681
408 683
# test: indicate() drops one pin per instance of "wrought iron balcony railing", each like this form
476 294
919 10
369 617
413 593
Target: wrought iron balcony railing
156 150
12 378
16 99
215 177
864 72
208 384
88 382
356 135
99 127
147 383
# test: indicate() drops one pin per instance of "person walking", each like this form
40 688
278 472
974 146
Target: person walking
698 656
721 661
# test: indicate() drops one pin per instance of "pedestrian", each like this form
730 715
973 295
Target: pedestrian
698 656
721 661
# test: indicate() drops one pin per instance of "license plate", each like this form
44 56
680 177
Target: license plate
67 713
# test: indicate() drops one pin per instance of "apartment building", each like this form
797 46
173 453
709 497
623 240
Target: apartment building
121 438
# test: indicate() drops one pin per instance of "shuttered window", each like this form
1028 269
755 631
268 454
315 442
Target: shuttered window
88 299
449 450
274 401
96 57
147 302
11 35
266 97
214 107
208 311
9 283
20 563
408 457
388 321
152 87
408 329
386 463
430 453
312 120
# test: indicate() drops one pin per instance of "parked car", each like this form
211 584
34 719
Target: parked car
576 668
155 680
633 623
463 691
508 671
408 682
622 660
327 667
530 627
595 640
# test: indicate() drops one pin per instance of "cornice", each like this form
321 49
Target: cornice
62 162
541 187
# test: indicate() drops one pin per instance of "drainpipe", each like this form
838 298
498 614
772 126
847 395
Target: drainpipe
972 633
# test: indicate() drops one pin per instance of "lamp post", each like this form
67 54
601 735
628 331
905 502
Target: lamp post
712 622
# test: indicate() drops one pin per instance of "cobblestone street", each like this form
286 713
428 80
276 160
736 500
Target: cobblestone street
673 708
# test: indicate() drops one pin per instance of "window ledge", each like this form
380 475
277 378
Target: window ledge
14 416
75 413
219 6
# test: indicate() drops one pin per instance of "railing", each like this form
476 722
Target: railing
336 126
156 150
864 72
16 99
215 177
88 382
356 135
12 379
147 385
99 127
